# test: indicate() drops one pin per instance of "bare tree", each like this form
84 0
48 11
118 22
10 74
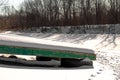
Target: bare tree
114 11
38 13
2 19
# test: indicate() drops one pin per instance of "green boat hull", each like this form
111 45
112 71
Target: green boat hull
44 52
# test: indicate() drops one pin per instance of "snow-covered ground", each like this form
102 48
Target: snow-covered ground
96 42
106 67
97 72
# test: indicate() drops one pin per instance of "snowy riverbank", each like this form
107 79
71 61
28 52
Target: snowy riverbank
96 42
107 47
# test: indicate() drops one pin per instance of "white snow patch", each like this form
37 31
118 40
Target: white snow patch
99 72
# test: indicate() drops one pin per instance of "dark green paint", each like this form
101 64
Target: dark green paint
42 52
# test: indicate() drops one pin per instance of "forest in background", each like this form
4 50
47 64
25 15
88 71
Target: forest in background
40 13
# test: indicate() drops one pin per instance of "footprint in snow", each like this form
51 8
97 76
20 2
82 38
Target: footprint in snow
100 69
89 79
92 75
98 72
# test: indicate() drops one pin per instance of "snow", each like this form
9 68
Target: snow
38 74
111 59
99 72
99 41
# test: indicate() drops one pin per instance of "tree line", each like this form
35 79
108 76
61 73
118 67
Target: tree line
38 13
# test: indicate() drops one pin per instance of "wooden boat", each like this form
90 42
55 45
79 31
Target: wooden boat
21 45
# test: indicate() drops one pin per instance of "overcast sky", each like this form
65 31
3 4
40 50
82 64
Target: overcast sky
15 2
